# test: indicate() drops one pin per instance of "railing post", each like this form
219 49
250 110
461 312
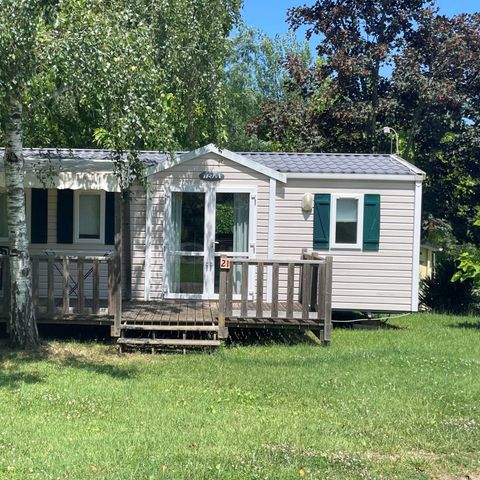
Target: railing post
81 286
51 286
222 334
259 303
66 287
327 328
244 291
274 311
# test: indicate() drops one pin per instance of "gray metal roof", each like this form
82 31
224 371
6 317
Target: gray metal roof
323 163
341 163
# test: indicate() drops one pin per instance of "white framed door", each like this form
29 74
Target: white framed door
203 223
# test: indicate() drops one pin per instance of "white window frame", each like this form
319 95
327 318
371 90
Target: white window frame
333 222
76 218
3 239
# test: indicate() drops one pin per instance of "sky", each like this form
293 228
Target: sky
270 15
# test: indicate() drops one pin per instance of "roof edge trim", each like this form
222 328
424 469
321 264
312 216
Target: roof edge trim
356 176
210 148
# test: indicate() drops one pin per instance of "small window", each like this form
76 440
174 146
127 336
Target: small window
347 219
3 216
90 217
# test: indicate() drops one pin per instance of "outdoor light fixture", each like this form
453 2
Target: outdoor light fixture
388 131
307 202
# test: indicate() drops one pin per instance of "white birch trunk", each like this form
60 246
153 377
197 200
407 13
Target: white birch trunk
22 324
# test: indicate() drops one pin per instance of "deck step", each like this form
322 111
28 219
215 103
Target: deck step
171 328
149 342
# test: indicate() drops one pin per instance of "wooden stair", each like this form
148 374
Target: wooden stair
157 336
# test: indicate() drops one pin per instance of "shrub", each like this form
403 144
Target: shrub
440 294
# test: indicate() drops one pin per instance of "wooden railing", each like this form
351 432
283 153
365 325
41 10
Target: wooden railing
311 280
70 299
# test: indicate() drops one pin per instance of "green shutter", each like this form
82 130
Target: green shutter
321 222
65 216
109 218
39 216
371 222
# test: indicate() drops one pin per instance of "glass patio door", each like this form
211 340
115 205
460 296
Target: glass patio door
202 226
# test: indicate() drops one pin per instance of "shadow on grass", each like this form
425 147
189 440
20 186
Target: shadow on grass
466 325
13 361
13 380
260 336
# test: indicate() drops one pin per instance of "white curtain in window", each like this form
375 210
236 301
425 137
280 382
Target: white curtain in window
241 203
3 216
176 238
89 216
347 210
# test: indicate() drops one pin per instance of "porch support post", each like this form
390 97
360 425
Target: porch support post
327 326
116 283
126 257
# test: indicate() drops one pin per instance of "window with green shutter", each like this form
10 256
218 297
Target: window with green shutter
346 222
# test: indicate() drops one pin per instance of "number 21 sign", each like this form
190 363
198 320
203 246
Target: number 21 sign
225 263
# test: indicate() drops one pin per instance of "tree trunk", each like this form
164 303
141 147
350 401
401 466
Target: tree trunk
408 154
22 324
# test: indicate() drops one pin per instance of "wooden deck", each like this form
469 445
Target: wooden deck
204 313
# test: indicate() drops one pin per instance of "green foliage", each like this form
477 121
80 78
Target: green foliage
439 294
469 265
468 268
224 218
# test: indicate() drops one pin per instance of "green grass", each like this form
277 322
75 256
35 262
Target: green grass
393 404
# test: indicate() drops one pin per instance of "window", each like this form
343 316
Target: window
3 216
347 221
90 217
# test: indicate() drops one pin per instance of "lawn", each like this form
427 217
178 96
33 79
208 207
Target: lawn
393 404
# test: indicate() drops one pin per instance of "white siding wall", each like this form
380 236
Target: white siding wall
361 280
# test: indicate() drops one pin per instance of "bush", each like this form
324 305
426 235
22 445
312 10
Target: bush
440 294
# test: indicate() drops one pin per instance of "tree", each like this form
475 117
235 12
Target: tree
184 40
437 88
293 121
255 78
106 62
358 41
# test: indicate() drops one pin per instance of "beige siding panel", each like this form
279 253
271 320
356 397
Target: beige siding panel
361 280
138 207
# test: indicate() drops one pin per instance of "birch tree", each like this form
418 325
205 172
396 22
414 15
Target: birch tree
106 58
